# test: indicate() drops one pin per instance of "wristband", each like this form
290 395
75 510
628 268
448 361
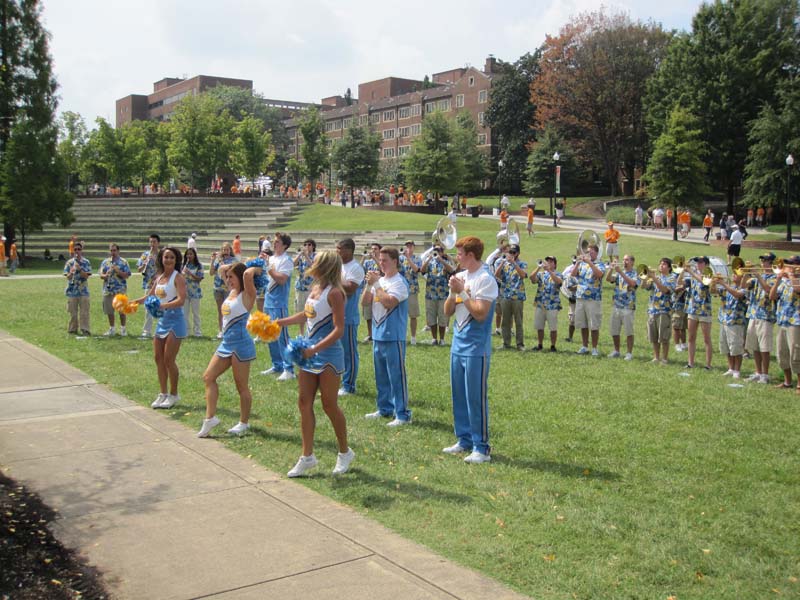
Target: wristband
464 296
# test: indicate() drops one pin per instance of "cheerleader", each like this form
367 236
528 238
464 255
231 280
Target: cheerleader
169 287
236 350
193 273
324 318
223 257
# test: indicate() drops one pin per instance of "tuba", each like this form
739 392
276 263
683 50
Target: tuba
444 235
509 235
589 238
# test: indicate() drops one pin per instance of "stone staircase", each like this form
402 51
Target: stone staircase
130 221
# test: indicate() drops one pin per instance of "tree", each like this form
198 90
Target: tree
252 149
314 147
433 162
390 172
724 71
201 137
72 140
32 185
241 102
677 170
465 143
105 155
348 97
356 157
539 171
512 116
591 84
136 140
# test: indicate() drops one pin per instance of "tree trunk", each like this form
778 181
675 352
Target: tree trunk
729 193
675 223
22 255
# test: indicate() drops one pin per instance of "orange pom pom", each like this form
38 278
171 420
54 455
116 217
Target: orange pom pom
263 326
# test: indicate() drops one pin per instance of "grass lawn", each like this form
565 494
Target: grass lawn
609 479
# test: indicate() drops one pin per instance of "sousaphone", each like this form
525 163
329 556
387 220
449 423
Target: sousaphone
589 238
444 235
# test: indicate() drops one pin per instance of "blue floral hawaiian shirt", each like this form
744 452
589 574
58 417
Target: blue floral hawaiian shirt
788 305
623 297
548 295
76 285
589 288
761 307
660 303
193 289
512 286
115 284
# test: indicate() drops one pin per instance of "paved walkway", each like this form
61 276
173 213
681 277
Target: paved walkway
165 515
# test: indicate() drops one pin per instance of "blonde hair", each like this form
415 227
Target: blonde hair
327 269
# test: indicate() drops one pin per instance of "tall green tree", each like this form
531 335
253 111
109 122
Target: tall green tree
676 173
512 116
72 137
465 142
356 157
28 131
539 171
252 149
724 71
314 146
201 138
434 163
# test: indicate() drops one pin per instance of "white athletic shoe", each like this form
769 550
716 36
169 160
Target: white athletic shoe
111 331
455 449
477 458
271 371
123 332
398 423
286 376
304 463
628 356
343 392
170 401
614 354
374 415
208 425
343 461
239 429
157 402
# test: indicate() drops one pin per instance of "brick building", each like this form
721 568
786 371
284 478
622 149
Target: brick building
396 108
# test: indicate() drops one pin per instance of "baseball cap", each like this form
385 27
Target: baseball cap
768 256
792 260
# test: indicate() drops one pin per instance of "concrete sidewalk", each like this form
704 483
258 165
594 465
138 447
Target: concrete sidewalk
165 515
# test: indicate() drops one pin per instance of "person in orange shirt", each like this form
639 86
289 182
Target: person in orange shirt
760 216
612 237
503 219
72 241
3 272
420 198
669 218
13 257
708 224
530 220
237 247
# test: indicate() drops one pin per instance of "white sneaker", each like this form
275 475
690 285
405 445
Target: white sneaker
270 371
111 331
343 461
629 356
497 331
145 335
170 401
763 379
123 332
219 335
239 429
374 415
304 463
477 458
413 341
678 347
398 423
286 376
728 372
753 377
344 392
157 402
735 375
596 353
455 449
583 350
208 425
614 354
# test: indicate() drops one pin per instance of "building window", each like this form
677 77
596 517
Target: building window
471 81
388 134
363 119
483 95
416 129
460 101
403 150
388 153
388 115
416 110
346 123
328 126
443 105
404 132
482 139
375 118
481 119
430 107
404 112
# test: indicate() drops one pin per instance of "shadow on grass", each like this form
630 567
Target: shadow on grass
549 466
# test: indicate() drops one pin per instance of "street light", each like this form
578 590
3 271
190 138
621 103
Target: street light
556 158
789 164
499 195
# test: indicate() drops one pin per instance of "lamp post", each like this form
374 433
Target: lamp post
553 200
499 195
789 165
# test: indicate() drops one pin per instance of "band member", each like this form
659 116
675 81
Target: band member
589 298
302 261
276 304
679 319
786 291
761 318
193 273
437 268
494 256
568 288
146 265
223 257
698 310
731 320
114 271
410 266
547 301
389 296
352 283
511 274
370 264
77 270
473 293
626 282
659 309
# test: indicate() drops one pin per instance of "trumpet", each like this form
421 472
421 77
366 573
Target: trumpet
678 264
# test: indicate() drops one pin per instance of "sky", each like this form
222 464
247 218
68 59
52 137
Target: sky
298 50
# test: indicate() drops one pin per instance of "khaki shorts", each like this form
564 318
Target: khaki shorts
760 336
622 317
731 339
611 249
588 314
300 298
413 306
366 311
679 320
707 319
542 316
108 309
658 328
571 312
434 313
788 344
